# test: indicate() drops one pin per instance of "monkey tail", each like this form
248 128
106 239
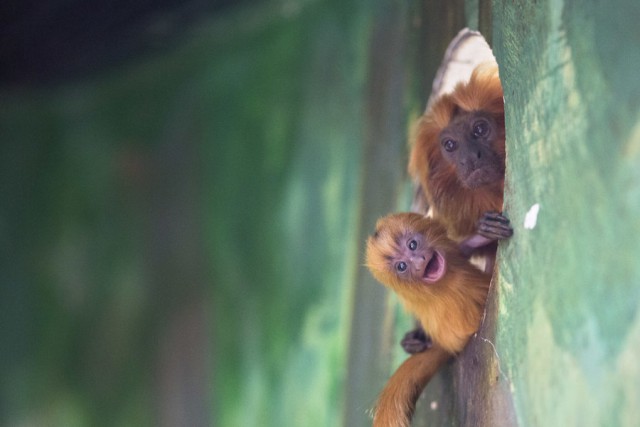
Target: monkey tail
398 399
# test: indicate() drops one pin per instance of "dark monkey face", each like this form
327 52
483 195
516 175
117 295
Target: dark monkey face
470 144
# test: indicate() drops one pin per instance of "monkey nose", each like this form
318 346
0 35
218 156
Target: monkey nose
419 263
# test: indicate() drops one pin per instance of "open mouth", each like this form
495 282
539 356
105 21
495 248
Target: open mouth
434 269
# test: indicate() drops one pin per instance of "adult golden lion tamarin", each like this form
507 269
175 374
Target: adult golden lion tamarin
458 159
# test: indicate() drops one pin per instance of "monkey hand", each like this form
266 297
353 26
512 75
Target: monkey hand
492 226
416 341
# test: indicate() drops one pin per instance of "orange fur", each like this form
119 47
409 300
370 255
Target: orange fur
397 401
458 207
450 310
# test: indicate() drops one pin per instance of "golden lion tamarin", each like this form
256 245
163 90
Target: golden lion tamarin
413 256
458 159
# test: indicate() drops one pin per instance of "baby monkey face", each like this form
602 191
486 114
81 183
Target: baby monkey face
415 260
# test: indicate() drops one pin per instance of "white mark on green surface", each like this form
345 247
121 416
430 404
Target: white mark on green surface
531 218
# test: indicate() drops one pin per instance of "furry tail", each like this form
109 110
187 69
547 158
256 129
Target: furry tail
398 398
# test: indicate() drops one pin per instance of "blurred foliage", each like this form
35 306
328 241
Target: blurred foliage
292 216
218 177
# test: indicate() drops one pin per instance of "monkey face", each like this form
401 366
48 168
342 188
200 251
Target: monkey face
416 261
407 248
469 143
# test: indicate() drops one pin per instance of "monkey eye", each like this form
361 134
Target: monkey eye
449 145
412 244
480 128
401 266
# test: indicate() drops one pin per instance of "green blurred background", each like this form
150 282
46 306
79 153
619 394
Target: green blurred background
186 187
181 187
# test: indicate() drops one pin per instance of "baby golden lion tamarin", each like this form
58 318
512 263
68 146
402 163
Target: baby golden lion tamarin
413 256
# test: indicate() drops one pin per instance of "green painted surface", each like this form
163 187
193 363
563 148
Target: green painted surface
569 319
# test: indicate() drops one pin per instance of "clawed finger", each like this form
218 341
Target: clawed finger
495 231
495 216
